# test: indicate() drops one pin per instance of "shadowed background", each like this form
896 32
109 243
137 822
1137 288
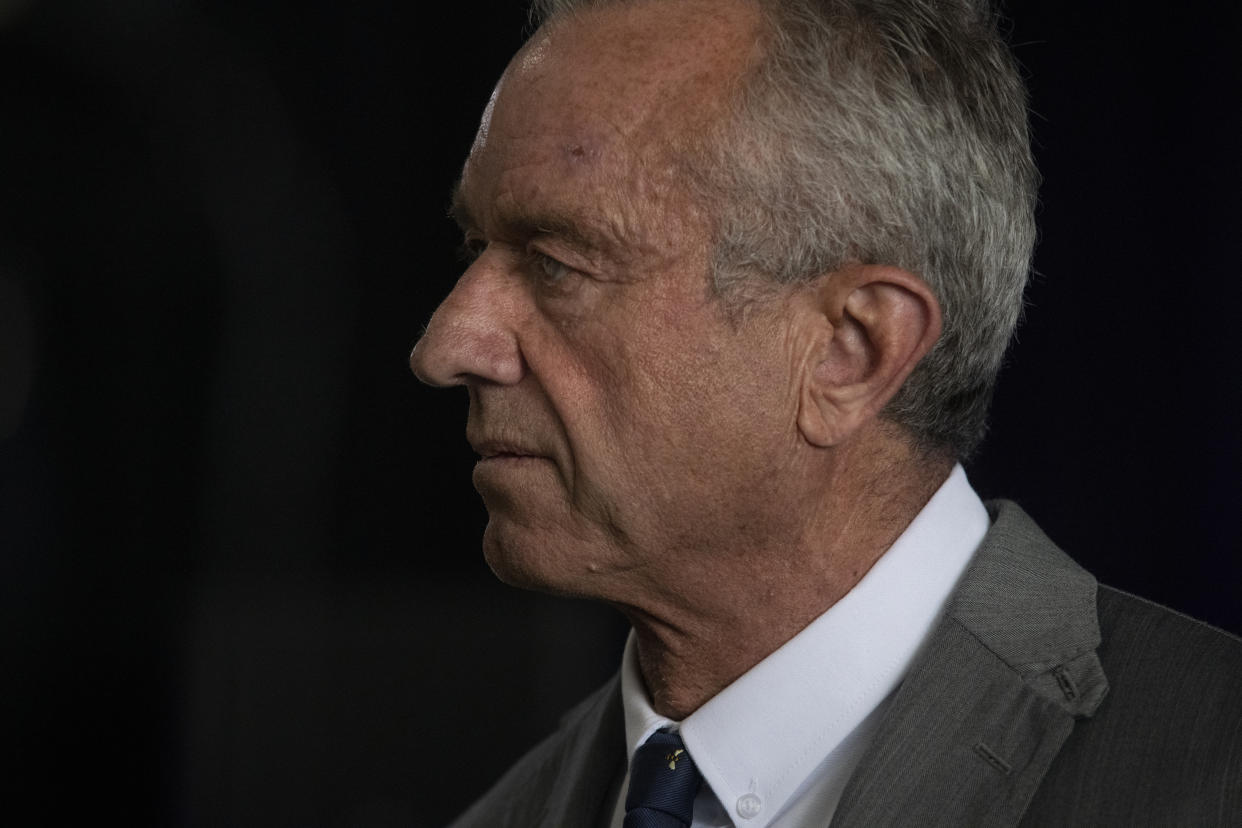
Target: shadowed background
240 581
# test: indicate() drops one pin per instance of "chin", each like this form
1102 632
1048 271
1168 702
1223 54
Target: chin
522 558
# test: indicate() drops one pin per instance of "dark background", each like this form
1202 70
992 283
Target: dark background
239 571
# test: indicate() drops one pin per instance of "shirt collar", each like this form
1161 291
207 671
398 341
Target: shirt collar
768 731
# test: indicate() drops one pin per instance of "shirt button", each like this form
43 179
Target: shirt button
749 806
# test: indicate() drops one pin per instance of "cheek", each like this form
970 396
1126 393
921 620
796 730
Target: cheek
617 416
648 392
718 407
664 421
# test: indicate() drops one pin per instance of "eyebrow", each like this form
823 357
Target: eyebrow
458 211
527 221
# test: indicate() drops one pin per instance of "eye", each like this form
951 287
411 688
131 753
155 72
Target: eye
550 271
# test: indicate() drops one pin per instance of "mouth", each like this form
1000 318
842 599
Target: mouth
508 472
504 456
489 451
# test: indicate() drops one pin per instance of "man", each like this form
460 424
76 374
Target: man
743 275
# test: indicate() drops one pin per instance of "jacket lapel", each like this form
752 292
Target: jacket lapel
975 725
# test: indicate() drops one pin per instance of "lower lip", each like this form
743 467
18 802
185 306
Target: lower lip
502 466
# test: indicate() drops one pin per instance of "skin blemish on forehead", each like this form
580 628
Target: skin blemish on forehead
579 152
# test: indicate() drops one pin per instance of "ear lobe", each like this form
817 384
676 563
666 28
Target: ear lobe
873 323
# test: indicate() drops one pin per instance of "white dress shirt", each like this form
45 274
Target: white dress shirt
777 746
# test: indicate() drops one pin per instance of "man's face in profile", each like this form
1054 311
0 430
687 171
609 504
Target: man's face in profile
625 424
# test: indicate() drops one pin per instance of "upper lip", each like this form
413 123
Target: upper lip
496 448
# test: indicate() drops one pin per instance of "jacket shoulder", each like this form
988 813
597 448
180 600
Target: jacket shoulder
1136 625
1165 746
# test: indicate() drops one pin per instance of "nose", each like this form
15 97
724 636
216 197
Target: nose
470 336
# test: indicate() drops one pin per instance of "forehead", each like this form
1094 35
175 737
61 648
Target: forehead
607 98
644 66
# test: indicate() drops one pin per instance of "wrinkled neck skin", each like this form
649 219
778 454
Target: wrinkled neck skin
728 613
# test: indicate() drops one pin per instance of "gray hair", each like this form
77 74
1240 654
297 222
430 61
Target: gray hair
883 132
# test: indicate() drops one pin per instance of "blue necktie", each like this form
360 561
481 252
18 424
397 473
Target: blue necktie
663 784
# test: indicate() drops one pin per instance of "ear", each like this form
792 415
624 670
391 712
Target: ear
867 328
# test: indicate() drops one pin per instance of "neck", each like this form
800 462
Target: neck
716 624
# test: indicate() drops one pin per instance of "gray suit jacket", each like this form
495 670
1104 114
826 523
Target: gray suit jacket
1040 700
